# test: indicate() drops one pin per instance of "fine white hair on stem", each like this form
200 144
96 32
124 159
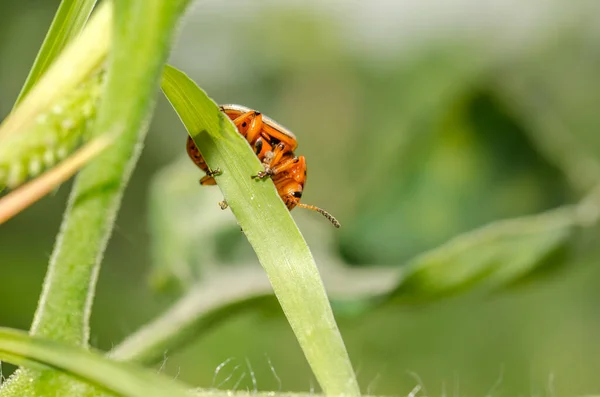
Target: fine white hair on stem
227 379
218 369
235 386
279 383
177 374
252 376
414 391
418 379
163 363
358 369
372 384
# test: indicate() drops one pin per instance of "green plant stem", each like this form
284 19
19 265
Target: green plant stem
202 307
68 22
66 301
132 82
19 348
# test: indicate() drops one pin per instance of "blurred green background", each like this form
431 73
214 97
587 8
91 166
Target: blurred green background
419 121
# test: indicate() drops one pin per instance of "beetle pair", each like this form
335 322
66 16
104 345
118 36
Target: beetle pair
274 145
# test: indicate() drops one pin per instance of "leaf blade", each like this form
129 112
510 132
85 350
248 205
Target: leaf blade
496 255
68 22
269 227
19 348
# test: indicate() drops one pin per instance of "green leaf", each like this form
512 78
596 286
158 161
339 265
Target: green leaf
124 379
185 230
202 308
55 135
494 256
271 231
486 259
501 254
68 22
190 240
79 60
489 259
143 32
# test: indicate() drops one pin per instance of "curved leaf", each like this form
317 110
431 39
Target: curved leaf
19 348
271 231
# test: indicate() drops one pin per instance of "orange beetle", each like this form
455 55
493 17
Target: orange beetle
274 145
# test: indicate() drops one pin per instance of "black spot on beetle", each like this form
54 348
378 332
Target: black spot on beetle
297 194
258 146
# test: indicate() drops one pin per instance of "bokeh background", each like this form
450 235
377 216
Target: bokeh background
420 121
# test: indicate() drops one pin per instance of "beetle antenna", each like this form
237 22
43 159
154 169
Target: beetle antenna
322 212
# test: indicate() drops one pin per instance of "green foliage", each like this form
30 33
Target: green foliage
453 167
496 256
442 180
42 132
271 231
500 254
68 22
119 378
187 232
465 150
132 77
77 62
201 309
57 132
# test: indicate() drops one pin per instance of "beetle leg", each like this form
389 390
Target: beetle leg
223 204
268 160
278 152
215 172
249 125
209 178
208 181
273 157
256 126
239 121
283 166
270 133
